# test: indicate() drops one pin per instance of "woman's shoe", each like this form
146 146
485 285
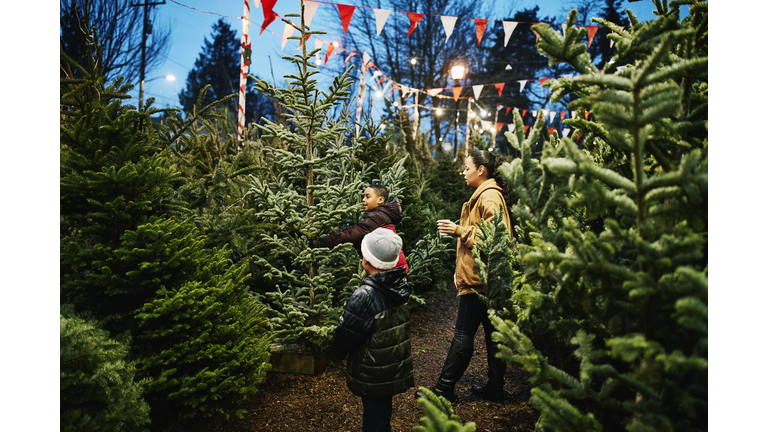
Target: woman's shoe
494 395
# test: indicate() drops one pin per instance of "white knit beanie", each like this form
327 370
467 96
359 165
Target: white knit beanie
381 247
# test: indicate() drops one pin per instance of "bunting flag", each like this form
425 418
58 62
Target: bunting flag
544 112
245 61
511 127
562 115
499 126
434 92
310 7
564 26
552 116
268 5
349 57
591 32
318 45
366 59
537 35
415 19
586 115
381 19
543 80
328 53
499 87
360 93
524 111
533 113
526 127
573 114
522 84
486 124
345 12
477 89
481 24
457 93
287 32
256 4
507 112
566 131
267 21
509 27
448 23
381 80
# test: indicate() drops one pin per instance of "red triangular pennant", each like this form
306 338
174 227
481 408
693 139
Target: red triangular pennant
415 18
508 108
328 53
591 32
481 24
562 115
268 21
542 81
499 125
268 5
524 112
537 35
586 115
457 93
552 130
381 80
368 66
345 12
526 127
499 87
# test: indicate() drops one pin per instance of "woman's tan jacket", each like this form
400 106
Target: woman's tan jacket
481 205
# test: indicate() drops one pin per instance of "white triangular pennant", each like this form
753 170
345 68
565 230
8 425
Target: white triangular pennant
287 32
310 8
509 27
477 89
448 23
486 124
522 84
256 4
511 127
552 116
545 112
573 114
533 113
318 45
622 27
566 131
563 30
366 59
381 19
434 91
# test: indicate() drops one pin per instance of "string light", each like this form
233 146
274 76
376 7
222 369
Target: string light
439 111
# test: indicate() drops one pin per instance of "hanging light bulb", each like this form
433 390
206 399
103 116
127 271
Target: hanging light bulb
439 111
413 60
379 93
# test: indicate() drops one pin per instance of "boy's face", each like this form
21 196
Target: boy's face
371 200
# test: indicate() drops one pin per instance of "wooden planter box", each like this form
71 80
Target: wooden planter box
288 359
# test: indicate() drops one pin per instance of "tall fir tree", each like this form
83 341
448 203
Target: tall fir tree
613 242
317 192
133 260
218 65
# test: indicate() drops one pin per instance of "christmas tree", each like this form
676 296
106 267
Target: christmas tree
132 258
613 237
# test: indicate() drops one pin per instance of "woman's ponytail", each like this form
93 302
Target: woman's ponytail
492 163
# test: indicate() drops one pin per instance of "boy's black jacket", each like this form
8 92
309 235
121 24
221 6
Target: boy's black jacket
375 331
386 214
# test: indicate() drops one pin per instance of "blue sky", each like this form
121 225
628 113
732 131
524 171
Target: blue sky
190 27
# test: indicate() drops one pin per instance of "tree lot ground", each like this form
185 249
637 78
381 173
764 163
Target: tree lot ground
292 402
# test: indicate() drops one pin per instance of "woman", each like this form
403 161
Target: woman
480 172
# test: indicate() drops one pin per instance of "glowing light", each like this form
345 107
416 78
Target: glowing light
439 111
482 113
318 61
471 114
413 60
170 77
379 93
457 72
335 44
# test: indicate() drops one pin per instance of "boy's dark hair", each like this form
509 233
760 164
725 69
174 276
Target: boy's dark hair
380 190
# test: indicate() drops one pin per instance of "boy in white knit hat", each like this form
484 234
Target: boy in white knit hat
375 332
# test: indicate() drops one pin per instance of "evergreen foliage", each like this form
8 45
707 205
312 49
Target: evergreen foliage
613 238
439 415
98 390
496 258
132 261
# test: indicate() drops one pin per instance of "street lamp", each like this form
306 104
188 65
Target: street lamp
169 77
457 73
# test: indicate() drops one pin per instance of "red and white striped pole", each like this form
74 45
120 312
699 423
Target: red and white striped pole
360 94
245 61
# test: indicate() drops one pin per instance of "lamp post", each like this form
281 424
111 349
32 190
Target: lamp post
169 77
457 73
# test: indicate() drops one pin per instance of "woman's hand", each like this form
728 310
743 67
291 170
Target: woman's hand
446 227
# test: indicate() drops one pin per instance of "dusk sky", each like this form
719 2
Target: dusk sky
192 21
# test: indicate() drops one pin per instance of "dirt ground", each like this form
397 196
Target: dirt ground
293 403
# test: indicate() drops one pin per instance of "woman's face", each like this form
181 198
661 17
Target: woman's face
474 175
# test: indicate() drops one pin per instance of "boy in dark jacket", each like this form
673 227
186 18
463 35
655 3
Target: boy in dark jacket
379 214
375 332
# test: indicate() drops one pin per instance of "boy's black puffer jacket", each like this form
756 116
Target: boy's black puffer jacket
375 331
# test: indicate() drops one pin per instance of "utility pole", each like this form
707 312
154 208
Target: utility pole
145 30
